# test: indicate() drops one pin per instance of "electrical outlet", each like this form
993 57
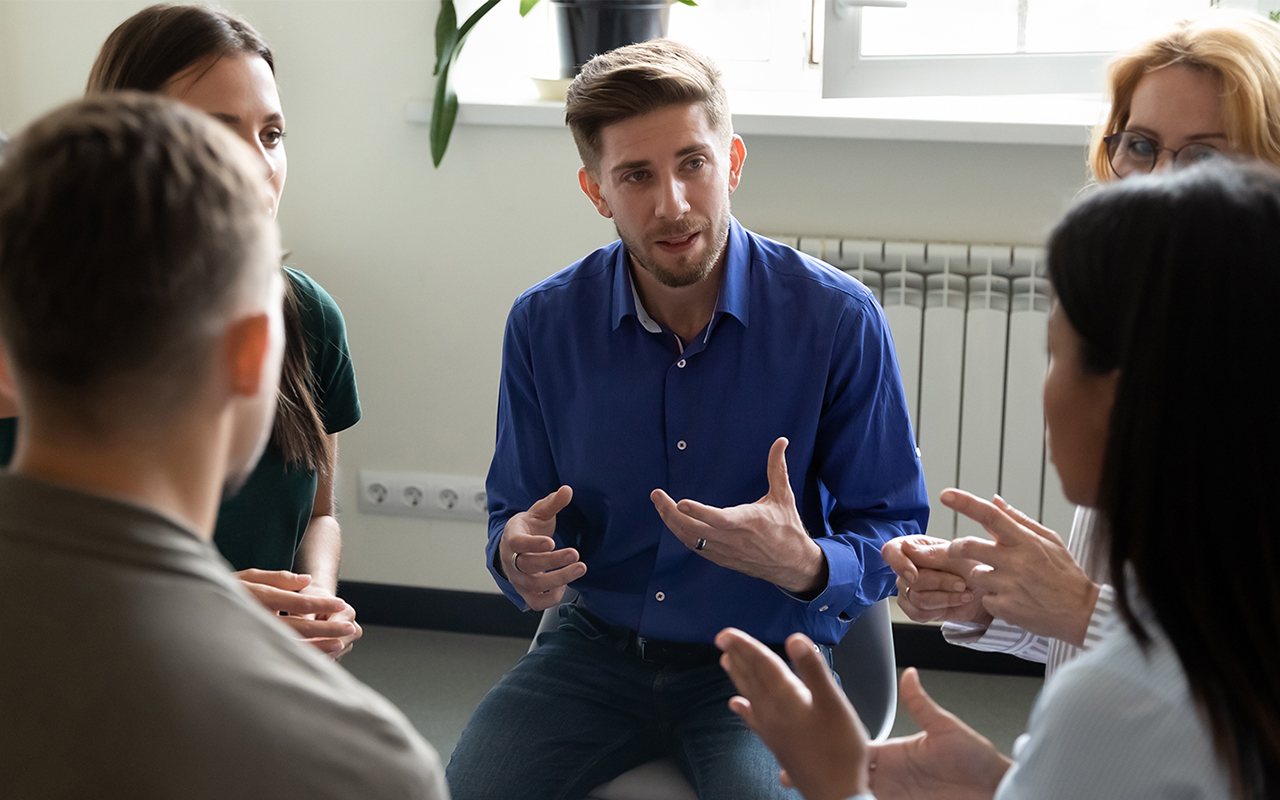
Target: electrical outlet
425 495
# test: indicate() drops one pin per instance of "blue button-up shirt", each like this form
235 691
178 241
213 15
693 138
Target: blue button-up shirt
593 398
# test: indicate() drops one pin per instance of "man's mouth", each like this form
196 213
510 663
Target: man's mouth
679 243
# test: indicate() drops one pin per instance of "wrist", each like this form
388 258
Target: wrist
812 575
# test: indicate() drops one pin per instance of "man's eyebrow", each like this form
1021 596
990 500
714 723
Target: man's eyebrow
630 165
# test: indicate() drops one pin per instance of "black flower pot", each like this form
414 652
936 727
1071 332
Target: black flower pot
591 27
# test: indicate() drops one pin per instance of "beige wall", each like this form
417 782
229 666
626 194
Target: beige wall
425 263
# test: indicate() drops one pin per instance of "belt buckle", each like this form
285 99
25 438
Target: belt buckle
640 643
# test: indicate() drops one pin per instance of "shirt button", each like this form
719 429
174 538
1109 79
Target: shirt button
680 363
660 596
824 608
680 445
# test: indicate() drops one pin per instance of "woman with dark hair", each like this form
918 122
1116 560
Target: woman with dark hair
1206 86
279 530
1155 403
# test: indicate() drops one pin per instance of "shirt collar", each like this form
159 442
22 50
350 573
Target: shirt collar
735 293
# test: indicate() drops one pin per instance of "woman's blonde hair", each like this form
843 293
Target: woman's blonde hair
1239 48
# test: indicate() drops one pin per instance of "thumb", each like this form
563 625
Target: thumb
279 579
927 714
547 508
779 479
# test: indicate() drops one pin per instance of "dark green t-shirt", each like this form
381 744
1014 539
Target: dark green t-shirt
262 525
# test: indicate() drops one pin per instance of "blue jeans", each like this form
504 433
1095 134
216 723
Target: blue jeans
576 712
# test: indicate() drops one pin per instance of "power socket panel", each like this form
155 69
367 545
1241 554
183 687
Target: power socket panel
424 495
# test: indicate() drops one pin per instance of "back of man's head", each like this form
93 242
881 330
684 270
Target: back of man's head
130 228
635 80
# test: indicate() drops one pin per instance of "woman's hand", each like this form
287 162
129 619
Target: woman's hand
931 582
947 760
315 615
806 721
1026 577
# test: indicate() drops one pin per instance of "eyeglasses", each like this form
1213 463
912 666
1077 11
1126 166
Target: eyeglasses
1131 153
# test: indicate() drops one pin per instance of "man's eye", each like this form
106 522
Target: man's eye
696 163
636 177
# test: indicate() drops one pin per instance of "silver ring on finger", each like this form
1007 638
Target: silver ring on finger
701 544
515 563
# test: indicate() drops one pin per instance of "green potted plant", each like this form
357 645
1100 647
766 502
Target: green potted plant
587 27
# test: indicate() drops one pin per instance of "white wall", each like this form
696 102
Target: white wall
425 263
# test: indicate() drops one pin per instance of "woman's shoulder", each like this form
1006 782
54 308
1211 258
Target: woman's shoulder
314 300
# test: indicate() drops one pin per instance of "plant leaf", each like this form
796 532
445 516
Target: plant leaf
444 112
687 2
446 34
526 6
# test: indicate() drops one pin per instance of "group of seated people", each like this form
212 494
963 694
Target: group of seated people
701 431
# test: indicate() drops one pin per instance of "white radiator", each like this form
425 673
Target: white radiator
968 324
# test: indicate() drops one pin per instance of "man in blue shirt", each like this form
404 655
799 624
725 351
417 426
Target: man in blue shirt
697 428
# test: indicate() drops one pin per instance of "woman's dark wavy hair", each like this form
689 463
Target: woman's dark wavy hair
1174 280
144 53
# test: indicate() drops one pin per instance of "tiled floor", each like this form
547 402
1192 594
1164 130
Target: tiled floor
438 679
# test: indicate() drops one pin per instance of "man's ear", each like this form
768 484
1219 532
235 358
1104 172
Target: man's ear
246 347
737 156
591 188
8 391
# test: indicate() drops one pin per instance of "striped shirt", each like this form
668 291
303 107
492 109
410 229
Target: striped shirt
1001 637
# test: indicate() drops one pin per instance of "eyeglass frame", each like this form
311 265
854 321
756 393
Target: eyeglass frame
1107 140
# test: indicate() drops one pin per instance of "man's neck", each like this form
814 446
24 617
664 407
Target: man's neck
684 310
176 471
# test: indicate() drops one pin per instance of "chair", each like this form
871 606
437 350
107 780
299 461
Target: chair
864 660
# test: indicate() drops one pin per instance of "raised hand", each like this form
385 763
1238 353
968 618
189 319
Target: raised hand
316 616
931 583
528 554
765 539
947 760
1027 576
807 721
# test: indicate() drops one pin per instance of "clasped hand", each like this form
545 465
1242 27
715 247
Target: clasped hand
319 618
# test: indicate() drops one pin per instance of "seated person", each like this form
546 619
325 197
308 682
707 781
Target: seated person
1207 85
280 530
141 332
697 427
1173 446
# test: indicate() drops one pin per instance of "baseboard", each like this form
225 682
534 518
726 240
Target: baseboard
493 614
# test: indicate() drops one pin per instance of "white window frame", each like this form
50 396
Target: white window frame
847 73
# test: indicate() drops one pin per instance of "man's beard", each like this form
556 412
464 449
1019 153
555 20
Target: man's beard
696 271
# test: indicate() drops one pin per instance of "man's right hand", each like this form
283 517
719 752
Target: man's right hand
528 557
930 586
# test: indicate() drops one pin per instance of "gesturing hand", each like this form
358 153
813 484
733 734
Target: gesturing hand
931 583
765 539
947 760
1027 575
528 554
807 721
315 615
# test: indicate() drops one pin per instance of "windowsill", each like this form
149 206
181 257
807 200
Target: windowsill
1063 120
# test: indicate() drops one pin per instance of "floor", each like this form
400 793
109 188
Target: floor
437 679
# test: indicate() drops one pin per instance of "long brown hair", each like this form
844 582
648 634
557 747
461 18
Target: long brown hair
144 53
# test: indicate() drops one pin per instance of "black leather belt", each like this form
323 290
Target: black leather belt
671 654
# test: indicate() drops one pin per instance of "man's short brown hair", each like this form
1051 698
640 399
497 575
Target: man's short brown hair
635 80
127 222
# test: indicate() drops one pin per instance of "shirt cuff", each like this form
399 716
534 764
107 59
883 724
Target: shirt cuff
1102 611
997 637
863 796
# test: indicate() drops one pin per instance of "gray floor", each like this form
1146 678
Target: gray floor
437 679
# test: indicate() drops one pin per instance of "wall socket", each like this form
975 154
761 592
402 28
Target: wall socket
425 495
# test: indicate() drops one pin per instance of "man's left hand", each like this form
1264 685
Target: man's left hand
765 539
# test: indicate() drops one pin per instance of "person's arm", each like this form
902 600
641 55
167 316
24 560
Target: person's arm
879 495
527 559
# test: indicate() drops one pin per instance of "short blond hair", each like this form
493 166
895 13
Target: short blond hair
1241 49
635 80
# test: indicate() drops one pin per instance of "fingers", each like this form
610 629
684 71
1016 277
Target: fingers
280 579
897 560
994 521
293 603
928 552
813 670
971 548
320 628
687 529
926 713
546 509
779 480
1026 521
937 590
541 582
752 667
533 563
